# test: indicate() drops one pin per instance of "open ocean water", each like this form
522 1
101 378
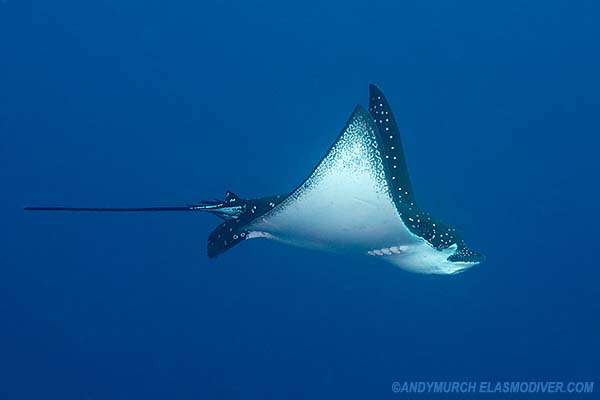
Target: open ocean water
141 103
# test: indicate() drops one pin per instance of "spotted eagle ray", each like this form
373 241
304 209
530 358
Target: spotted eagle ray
357 200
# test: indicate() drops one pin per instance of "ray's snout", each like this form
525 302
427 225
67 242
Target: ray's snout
467 256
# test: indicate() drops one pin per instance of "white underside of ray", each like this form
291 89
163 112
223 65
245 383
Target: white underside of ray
345 205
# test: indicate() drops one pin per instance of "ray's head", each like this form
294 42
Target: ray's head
443 251
459 258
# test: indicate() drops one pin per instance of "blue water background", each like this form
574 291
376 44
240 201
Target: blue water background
126 103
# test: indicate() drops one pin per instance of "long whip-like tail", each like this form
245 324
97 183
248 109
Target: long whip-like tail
110 209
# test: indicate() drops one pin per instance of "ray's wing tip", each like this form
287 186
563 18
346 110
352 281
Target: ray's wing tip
374 90
376 95
211 252
360 110
361 114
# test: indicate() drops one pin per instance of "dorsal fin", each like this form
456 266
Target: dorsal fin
230 197
392 146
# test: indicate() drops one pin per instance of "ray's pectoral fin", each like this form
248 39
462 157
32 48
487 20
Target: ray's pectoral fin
224 237
394 159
